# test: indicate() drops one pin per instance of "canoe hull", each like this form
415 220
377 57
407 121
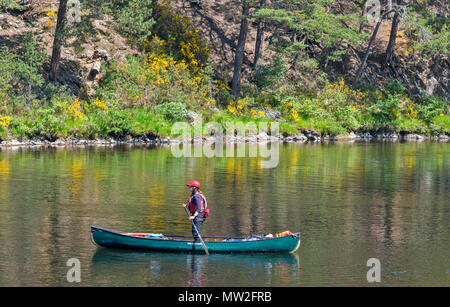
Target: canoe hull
112 239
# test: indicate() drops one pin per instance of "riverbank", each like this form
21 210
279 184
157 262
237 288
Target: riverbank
311 137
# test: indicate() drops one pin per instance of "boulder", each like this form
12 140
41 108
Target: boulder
101 53
300 137
311 134
95 70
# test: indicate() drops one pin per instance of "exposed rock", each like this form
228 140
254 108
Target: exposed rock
311 134
300 138
413 136
12 143
366 135
289 139
101 53
95 70
59 142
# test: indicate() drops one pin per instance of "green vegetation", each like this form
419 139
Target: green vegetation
174 75
10 5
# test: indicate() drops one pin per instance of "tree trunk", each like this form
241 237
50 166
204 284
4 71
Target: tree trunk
394 29
366 55
369 47
259 37
239 56
58 40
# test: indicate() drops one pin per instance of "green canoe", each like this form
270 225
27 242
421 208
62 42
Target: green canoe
140 241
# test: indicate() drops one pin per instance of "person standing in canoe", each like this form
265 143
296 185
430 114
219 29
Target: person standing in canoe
198 207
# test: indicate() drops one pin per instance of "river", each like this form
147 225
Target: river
350 201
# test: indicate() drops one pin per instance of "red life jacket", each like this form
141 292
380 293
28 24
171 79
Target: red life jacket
203 205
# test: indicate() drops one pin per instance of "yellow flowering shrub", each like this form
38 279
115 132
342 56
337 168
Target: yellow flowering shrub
411 111
72 110
257 113
344 94
159 65
289 110
239 106
178 35
51 14
5 121
100 104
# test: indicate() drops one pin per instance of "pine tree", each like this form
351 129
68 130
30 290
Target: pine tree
58 40
239 56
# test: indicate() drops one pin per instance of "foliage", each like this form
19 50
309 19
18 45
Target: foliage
440 124
430 32
317 22
136 20
177 36
431 108
19 75
11 5
271 74
172 111
144 95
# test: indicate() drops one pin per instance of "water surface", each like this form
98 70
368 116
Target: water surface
351 202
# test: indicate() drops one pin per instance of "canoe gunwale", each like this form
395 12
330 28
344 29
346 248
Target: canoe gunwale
280 244
126 234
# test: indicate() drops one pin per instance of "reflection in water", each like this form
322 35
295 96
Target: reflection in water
351 202
196 270
197 275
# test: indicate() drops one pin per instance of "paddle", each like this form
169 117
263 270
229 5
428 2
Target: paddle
199 236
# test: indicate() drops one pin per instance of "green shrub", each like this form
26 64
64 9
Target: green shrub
19 73
412 125
386 109
394 88
287 128
145 122
113 123
330 128
136 20
172 111
431 107
10 5
126 82
270 74
21 126
440 124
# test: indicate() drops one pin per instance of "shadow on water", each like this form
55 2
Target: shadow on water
194 270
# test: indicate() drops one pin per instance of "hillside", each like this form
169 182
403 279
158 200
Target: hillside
219 23
77 63
117 79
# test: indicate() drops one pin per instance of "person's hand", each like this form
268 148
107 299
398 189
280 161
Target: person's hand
191 217
184 205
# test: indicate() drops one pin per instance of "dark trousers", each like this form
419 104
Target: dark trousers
198 222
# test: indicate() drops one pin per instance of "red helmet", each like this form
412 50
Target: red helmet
194 183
